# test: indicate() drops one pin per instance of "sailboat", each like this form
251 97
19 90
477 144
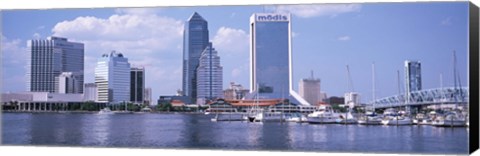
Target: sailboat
371 118
255 114
348 118
453 118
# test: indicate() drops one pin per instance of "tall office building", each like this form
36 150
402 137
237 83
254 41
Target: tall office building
209 76
309 89
112 77
195 40
148 96
137 84
90 92
47 59
270 57
67 83
413 76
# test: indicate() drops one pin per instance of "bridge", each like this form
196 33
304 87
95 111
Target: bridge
434 96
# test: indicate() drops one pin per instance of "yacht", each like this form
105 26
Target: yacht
370 119
295 117
323 115
105 110
397 120
422 119
450 120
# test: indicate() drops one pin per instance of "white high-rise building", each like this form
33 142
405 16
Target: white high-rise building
352 99
47 59
209 76
67 83
112 77
90 92
148 96
309 89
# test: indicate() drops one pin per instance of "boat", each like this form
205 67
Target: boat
421 119
294 117
255 114
371 118
450 120
347 118
105 110
323 115
397 120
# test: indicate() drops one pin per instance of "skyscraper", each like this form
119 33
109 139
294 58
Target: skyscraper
47 59
195 40
413 76
137 84
112 77
270 57
148 96
309 89
209 76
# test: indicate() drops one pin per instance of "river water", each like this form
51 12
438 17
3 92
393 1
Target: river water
196 131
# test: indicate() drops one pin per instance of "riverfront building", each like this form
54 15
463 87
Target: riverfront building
309 89
49 58
209 76
270 57
90 93
235 92
67 83
112 77
413 76
137 84
147 96
195 40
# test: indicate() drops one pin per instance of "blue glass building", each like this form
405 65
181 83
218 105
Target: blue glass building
270 57
195 40
413 76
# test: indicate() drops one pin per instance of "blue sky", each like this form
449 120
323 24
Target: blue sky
326 39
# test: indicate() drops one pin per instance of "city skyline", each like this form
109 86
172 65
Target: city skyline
343 37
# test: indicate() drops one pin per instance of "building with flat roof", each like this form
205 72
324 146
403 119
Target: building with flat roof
90 92
309 89
112 77
137 84
49 58
270 57
413 76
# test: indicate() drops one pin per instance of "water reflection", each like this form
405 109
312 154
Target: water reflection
197 131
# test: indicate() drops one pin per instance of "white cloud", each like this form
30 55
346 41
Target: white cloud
233 47
446 21
307 11
230 40
36 36
344 38
138 11
146 39
14 54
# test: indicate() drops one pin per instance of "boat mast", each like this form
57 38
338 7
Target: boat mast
373 85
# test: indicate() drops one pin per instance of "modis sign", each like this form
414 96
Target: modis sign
272 17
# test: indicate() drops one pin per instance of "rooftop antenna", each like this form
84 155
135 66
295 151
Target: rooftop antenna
311 72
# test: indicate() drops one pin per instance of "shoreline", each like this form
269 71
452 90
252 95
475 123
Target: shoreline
94 112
